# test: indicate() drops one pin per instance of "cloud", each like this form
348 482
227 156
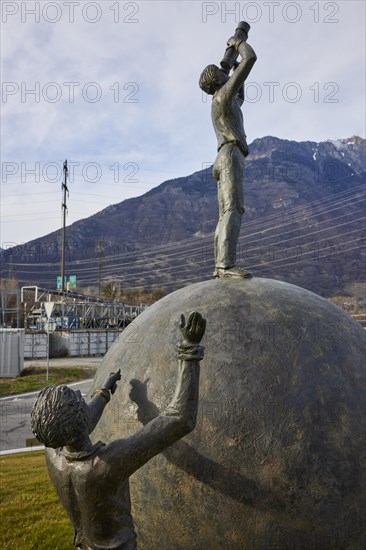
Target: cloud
150 111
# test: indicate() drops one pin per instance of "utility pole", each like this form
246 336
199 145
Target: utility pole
10 274
101 260
64 208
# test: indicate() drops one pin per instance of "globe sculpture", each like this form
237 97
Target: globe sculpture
277 457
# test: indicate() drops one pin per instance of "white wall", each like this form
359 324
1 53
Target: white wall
11 352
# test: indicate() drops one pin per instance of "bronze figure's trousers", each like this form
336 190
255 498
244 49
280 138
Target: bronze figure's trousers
228 171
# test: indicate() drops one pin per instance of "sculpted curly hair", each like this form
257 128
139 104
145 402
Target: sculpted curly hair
59 416
208 79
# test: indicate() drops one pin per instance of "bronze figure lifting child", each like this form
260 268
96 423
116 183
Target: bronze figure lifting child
228 171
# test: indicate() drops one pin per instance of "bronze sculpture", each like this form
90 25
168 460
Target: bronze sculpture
92 481
228 171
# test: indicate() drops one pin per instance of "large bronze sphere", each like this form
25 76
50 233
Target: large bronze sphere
277 459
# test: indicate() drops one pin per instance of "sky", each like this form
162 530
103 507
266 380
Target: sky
112 87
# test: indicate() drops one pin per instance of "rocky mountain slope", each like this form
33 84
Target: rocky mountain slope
304 224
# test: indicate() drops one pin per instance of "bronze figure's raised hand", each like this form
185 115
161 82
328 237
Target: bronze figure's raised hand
111 382
194 330
234 43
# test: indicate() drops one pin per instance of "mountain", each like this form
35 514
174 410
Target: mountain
304 224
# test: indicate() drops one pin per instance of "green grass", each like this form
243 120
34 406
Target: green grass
33 379
31 515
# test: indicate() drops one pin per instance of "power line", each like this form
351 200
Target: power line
195 250
176 266
171 269
197 278
319 207
286 264
109 270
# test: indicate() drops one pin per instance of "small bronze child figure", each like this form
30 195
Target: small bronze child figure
92 480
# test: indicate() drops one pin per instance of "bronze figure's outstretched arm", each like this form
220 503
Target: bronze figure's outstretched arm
100 397
179 418
241 73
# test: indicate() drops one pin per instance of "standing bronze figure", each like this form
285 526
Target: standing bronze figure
228 171
92 480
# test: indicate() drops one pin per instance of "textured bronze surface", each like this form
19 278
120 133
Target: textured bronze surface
277 457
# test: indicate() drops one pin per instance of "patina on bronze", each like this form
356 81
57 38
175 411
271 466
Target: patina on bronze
92 480
228 171
276 460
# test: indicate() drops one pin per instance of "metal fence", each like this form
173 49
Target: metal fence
71 343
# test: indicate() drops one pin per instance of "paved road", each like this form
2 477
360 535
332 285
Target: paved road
15 410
